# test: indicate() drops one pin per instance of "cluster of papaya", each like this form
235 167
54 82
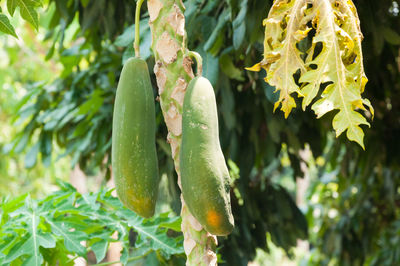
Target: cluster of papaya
204 174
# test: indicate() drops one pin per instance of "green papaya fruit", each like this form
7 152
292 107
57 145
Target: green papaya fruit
134 156
204 174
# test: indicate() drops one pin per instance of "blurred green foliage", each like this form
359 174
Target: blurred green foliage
23 69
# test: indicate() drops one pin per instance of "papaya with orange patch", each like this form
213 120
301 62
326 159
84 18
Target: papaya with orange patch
204 175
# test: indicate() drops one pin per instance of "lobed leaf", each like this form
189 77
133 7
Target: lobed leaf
34 232
333 62
282 59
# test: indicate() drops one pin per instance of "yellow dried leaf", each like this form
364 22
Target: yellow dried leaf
339 62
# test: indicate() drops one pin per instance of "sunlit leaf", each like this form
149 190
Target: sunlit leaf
11 5
6 27
28 12
334 58
32 231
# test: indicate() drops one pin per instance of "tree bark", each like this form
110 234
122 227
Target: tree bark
173 70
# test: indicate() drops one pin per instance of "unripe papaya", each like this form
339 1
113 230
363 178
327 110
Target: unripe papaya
134 157
204 174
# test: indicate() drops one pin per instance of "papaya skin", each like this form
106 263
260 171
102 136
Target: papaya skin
134 156
204 174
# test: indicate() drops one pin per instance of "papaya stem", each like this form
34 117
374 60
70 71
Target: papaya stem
199 62
173 73
137 30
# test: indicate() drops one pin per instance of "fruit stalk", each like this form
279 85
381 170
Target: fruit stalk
137 32
173 70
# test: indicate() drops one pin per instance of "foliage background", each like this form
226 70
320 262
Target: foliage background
22 67
351 212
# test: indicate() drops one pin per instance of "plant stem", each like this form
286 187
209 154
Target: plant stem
72 259
199 62
136 44
173 70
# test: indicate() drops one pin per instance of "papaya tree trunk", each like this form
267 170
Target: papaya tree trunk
173 70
